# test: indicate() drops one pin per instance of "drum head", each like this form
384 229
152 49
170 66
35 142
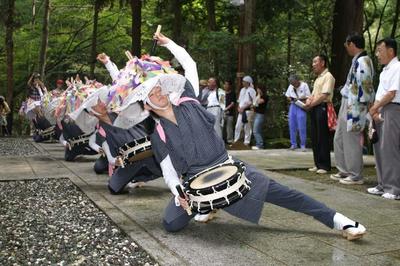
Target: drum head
213 177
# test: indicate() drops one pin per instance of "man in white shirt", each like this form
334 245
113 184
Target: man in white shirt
246 97
386 114
297 91
213 104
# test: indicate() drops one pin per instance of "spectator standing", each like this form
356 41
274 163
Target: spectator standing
297 91
245 114
214 104
58 90
357 94
229 111
386 114
260 107
36 88
317 103
4 111
203 92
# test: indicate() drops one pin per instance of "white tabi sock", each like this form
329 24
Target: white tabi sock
339 221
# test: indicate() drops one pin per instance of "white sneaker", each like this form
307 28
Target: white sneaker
349 181
255 148
375 191
390 196
321 171
313 169
337 176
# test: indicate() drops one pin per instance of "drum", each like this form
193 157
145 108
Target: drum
217 187
136 150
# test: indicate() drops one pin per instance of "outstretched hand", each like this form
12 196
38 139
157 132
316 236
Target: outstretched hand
103 58
161 38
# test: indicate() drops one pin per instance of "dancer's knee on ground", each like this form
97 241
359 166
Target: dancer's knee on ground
174 226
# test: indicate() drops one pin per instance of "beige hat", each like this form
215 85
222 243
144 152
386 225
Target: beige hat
203 82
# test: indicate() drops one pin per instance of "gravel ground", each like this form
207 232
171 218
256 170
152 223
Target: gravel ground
50 221
17 147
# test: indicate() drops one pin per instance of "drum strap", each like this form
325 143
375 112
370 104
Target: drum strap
160 129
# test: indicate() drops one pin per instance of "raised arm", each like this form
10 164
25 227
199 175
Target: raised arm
110 66
183 57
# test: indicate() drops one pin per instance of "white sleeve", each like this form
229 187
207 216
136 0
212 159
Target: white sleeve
187 62
62 140
287 94
112 69
92 142
107 151
170 175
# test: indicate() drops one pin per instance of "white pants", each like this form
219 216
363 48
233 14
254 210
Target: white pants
229 128
248 127
217 112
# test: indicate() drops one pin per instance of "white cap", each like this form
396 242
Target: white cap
248 79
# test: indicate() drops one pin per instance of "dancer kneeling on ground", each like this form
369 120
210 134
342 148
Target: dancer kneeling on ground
185 143
140 170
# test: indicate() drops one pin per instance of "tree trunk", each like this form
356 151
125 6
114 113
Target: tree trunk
9 43
45 39
212 26
136 10
395 19
93 54
249 51
347 18
289 39
177 23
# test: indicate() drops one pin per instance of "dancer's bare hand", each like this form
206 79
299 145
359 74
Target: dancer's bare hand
103 58
161 38
184 202
119 161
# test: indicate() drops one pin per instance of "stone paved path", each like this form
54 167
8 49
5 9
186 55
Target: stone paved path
282 238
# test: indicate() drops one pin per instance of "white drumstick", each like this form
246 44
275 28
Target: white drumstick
129 55
158 29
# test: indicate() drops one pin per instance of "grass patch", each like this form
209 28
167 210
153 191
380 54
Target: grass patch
369 178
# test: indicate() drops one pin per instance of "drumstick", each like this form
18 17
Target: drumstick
182 195
129 55
153 48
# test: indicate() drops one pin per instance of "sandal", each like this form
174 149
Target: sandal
352 232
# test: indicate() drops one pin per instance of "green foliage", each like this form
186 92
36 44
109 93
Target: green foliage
215 52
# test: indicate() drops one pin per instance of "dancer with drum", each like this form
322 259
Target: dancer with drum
128 151
186 144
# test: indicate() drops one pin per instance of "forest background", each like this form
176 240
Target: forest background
267 39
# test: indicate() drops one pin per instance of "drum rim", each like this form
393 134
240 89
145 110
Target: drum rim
128 146
232 197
